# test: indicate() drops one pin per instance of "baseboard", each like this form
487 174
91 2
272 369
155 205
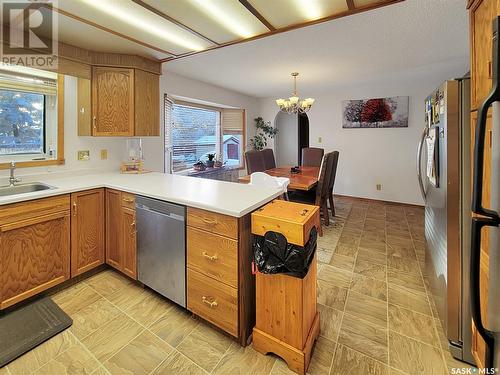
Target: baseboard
379 200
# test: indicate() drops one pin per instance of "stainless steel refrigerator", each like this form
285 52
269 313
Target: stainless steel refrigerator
443 170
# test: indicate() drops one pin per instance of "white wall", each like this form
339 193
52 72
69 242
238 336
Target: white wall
176 85
287 139
372 156
72 143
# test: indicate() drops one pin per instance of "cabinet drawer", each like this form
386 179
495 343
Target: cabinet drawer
213 222
213 255
29 209
128 200
213 301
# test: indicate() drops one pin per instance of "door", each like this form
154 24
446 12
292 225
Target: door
87 230
112 101
113 229
34 256
129 246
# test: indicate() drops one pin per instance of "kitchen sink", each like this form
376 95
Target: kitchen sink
23 188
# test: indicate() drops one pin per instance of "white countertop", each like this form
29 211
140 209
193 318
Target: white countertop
218 196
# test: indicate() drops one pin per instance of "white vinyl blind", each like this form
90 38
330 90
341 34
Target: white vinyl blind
27 83
168 121
232 121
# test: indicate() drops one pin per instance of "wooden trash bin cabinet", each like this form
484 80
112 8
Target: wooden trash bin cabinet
287 320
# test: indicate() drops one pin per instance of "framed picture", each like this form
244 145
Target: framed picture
375 113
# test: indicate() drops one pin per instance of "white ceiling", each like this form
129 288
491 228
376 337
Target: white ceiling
357 48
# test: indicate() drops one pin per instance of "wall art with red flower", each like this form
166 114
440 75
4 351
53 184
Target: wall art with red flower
375 113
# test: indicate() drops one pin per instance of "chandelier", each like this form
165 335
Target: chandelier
294 104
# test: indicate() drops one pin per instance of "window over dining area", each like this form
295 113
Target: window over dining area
29 119
193 131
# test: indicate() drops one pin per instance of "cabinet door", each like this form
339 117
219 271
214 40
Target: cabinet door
113 229
147 104
129 244
83 98
112 101
478 345
34 256
482 14
87 230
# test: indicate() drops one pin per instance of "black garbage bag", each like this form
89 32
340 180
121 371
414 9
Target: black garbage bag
273 254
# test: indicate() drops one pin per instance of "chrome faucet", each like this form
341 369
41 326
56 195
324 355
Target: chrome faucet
13 180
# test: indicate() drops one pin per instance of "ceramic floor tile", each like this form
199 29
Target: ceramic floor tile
127 296
178 364
331 295
370 309
42 354
141 356
75 360
75 298
342 261
412 324
414 357
323 255
409 298
407 280
110 338
174 326
90 318
371 256
107 282
101 371
365 337
373 245
205 346
240 360
403 265
149 308
322 357
330 320
369 287
370 269
351 362
346 250
335 276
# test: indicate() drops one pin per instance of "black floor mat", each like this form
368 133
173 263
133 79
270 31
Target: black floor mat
27 327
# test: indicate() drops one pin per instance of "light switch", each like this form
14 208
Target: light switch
84 155
320 140
104 154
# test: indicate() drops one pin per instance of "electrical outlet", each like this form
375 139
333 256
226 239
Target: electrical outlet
379 187
104 154
320 140
84 155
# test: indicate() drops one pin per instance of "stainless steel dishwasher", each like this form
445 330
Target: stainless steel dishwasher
161 247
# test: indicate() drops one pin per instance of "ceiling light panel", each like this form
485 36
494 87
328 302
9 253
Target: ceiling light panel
237 21
282 13
362 3
131 19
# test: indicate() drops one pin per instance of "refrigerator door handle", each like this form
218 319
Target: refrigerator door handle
475 294
419 162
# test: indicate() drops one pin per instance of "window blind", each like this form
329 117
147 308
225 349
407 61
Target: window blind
232 121
27 83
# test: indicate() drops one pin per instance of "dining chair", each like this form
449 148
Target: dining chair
255 161
312 156
332 180
269 162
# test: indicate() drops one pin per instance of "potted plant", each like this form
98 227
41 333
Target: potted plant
210 161
200 166
263 130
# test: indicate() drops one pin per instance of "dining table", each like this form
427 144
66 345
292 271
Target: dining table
305 179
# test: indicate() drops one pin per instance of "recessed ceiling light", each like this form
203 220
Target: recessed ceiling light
310 8
229 21
126 15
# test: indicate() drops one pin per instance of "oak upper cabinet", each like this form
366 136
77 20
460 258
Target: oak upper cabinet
112 101
125 102
34 247
87 230
482 14
121 248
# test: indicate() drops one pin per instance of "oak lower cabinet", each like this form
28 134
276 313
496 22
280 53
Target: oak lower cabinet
220 284
87 230
121 243
34 247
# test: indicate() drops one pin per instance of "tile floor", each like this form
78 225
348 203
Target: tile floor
376 315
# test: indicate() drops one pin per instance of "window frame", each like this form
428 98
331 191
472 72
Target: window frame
60 160
220 130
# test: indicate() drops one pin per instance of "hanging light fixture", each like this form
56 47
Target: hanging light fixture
294 104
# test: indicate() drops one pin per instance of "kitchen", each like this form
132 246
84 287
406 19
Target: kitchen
130 247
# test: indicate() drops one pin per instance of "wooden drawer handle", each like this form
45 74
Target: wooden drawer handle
128 200
490 70
213 258
208 221
209 303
